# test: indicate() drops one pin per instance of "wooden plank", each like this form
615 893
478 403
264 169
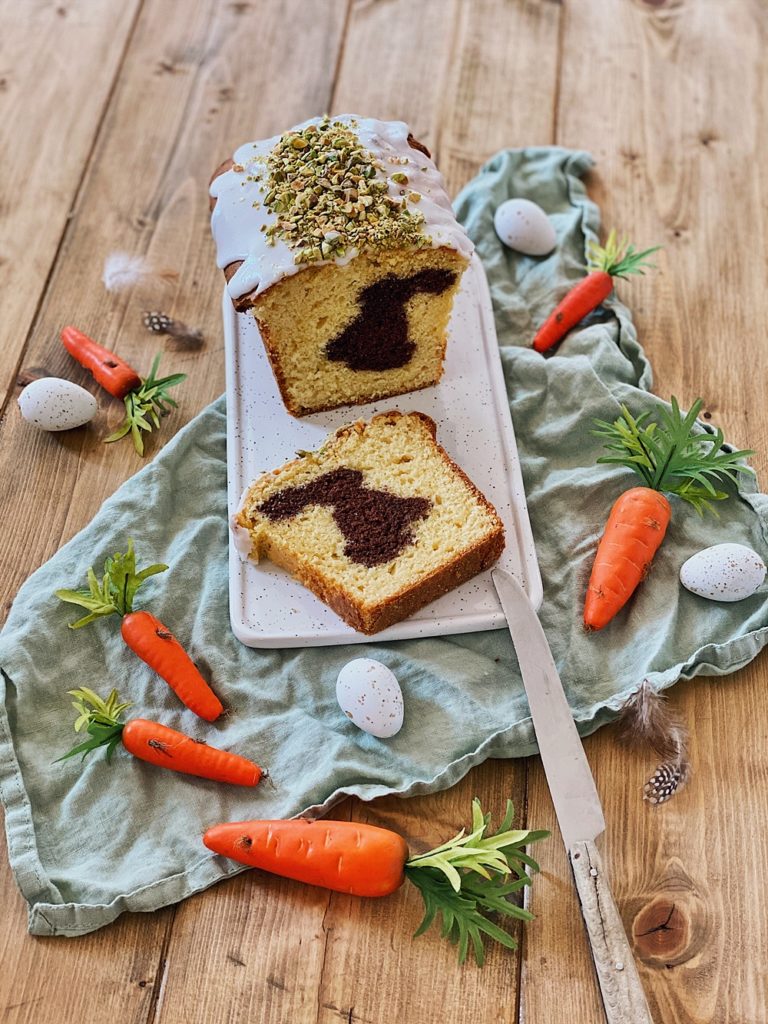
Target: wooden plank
371 962
443 99
101 978
501 84
292 953
677 132
51 50
190 90
57 65
260 943
395 62
275 950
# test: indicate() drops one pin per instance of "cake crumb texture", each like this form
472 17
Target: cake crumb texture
302 320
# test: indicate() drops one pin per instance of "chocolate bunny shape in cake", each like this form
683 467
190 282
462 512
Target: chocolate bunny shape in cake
377 339
376 525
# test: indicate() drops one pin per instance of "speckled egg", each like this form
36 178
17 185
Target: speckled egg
370 696
523 226
52 403
724 572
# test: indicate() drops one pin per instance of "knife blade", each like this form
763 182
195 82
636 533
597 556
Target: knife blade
577 806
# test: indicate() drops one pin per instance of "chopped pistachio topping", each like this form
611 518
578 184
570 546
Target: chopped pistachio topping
324 188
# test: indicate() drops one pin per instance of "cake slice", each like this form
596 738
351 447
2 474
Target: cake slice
378 522
340 238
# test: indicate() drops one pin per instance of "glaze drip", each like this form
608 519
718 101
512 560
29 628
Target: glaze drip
241 218
376 525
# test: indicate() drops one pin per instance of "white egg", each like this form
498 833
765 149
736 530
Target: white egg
370 696
522 225
724 572
52 403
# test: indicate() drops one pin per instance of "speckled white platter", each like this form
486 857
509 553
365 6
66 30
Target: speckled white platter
267 607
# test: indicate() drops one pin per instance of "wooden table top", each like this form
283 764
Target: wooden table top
112 117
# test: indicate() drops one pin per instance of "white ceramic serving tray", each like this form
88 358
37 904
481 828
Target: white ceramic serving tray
469 405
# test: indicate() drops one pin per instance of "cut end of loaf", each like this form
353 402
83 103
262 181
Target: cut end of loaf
373 328
339 236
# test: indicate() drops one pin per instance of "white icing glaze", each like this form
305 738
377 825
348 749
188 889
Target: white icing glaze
242 539
236 223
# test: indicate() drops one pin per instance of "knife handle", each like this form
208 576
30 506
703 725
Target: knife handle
623 996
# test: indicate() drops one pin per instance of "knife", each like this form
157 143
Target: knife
577 806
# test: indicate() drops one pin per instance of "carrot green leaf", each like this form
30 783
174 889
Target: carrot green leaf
101 720
147 403
474 875
617 258
116 591
673 453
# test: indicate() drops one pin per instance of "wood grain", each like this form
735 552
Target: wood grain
104 977
145 194
395 60
500 50
46 143
273 950
671 97
100 978
188 86
676 131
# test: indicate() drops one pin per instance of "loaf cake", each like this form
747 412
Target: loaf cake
378 522
340 238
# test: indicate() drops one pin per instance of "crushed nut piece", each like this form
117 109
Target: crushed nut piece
331 194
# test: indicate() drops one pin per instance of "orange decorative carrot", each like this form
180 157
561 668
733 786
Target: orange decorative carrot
464 879
615 259
633 534
668 456
155 743
146 400
362 860
143 633
108 369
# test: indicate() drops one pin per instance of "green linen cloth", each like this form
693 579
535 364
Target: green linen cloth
88 841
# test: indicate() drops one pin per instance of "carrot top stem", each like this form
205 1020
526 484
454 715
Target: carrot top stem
617 258
100 719
471 876
115 592
145 405
670 454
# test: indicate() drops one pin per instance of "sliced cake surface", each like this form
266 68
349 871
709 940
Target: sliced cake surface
377 523
340 237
